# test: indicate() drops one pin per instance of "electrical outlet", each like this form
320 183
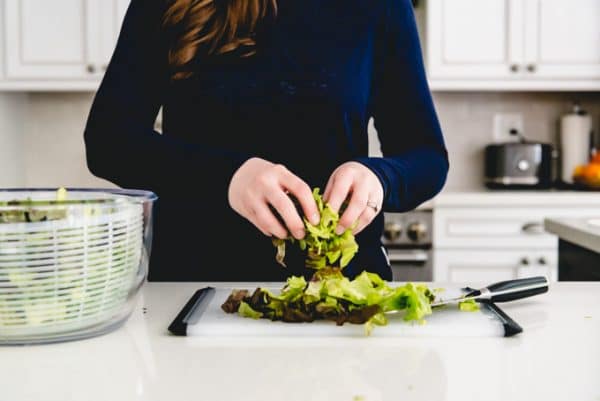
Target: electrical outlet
504 123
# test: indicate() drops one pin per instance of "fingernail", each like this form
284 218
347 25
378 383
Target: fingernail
299 234
315 219
339 230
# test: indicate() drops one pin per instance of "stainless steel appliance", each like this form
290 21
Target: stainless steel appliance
407 238
515 165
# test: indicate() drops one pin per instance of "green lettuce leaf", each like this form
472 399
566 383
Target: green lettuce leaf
324 248
469 305
247 311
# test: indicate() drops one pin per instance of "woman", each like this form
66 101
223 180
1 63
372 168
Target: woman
264 99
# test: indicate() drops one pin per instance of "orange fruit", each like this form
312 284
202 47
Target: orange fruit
592 174
579 171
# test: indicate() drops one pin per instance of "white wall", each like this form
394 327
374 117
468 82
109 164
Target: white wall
53 141
53 150
13 110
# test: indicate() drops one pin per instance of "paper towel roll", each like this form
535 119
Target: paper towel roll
575 135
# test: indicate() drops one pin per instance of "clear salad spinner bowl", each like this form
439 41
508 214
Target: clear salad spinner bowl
71 261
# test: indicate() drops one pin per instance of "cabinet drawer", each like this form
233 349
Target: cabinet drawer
499 228
486 267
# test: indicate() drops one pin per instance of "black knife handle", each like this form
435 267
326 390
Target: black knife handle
516 289
511 327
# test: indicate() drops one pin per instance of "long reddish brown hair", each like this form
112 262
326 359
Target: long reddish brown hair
213 26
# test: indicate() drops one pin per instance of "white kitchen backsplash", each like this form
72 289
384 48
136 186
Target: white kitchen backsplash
12 166
50 150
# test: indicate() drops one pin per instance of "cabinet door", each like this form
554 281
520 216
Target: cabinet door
112 13
49 39
563 39
486 267
471 39
498 227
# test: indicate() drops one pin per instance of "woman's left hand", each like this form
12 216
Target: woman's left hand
355 181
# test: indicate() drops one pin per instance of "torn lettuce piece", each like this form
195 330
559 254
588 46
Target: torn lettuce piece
61 194
293 290
415 300
247 311
469 305
280 255
379 319
324 248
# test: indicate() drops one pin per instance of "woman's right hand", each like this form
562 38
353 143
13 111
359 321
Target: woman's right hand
259 183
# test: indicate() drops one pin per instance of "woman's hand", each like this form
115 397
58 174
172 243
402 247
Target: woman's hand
259 183
354 180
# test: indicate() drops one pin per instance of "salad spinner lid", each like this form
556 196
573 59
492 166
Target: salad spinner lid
47 196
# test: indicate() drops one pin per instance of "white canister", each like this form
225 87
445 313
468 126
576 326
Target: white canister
575 137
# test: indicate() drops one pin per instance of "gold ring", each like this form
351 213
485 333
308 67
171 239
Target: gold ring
373 205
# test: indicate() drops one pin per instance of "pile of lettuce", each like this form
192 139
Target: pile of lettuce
331 296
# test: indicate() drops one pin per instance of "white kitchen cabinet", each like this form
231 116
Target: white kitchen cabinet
500 227
473 38
59 42
489 266
562 39
50 39
491 236
513 44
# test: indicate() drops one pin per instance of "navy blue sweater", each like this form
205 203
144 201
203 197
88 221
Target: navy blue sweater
322 69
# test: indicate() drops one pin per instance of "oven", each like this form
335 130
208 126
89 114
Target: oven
407 238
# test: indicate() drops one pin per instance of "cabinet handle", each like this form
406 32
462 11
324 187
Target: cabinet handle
531 68
514 68
91 68
524 262
533 228
542 261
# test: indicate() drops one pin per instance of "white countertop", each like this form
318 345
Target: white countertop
557 357
495 198
582 232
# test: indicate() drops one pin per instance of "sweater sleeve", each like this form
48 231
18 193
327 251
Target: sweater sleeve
414 164
121 144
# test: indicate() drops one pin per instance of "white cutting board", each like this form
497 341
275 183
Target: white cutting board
448 321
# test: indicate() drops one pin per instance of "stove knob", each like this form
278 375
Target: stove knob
416 231
392 231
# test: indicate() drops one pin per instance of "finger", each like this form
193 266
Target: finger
303 194
364 219
248 212
286 209
356 206
267 222
327 192
259 225
342 182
